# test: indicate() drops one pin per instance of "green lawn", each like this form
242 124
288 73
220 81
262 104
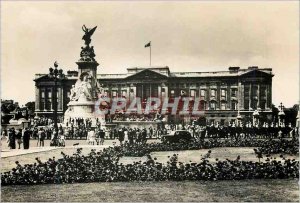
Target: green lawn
187 191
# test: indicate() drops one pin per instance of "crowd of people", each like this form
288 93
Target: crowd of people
123 117
104 166
80 128
245 131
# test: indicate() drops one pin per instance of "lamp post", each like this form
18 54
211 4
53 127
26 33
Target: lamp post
55 74
298 119
281 114
255 117
239 118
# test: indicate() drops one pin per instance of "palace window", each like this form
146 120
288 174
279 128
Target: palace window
263 104
193 93
223 106
43 94
213 93
263 91
202 93
234 92
233 105
48 100
212 105
42 106
202 105
223 93
124 93
254 91
172 92
246 90
246 104
254 104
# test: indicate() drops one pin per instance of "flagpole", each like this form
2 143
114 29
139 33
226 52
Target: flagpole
150 53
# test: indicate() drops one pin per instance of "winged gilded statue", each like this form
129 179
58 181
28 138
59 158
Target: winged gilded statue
87 34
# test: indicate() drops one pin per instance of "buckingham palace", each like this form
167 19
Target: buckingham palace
223 94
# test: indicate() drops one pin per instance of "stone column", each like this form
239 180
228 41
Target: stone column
52 97
128 93
132 95
59 98
159 91
166 91
37 98
62 99
242 97
44 102
250 98
268 96
218 97
258 96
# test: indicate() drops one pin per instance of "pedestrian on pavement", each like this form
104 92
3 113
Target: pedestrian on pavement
41 137
54 136
12 138
91 137
19 138
26 138
102 135
121 136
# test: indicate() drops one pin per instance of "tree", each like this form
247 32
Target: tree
30 106
8 108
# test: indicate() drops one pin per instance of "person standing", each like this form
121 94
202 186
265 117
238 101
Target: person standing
121 136
12 139
150 132
91 137
19 138
41 138
130 136
102 135
125 135
4 134
144 136
138 136
26 138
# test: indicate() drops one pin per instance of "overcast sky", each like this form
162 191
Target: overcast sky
186 36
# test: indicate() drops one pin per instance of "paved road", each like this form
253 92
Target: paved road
34 148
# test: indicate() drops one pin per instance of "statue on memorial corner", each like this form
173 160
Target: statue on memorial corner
82 91
73 96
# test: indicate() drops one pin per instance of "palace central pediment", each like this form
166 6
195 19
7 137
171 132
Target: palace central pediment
257 73
146 74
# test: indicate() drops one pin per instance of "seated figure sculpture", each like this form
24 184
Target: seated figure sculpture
82 91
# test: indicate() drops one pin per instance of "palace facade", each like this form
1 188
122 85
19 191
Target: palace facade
223 94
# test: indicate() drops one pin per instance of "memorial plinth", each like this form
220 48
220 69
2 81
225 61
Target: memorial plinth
85 92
